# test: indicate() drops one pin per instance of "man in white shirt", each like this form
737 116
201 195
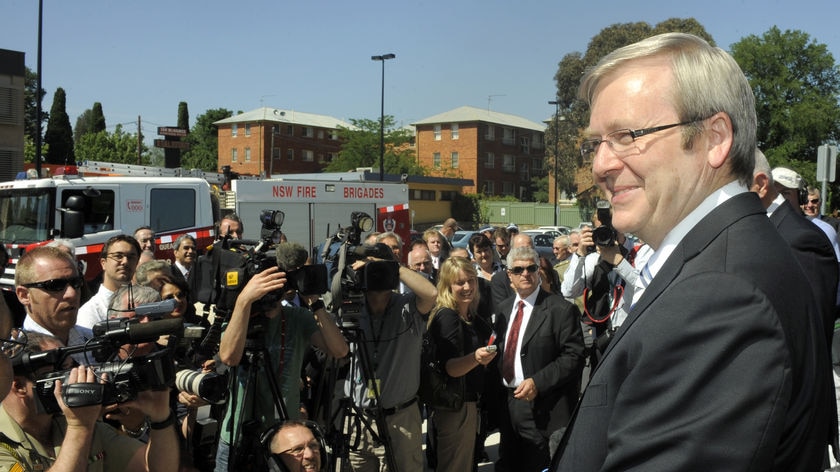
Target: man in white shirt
119 258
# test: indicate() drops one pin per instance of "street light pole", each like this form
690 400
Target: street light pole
556 104
382 58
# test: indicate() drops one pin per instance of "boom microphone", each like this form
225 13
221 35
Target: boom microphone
134 333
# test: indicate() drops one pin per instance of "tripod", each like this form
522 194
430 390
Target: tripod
245 448
350 417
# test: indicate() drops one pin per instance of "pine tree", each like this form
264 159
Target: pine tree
59 134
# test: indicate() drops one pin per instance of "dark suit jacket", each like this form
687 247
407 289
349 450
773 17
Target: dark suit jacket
551 354
815 254
719 366
500 288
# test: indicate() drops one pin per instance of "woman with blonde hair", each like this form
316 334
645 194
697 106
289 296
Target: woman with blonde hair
460 338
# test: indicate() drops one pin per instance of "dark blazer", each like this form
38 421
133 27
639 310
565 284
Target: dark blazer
815 254
719 366
551 354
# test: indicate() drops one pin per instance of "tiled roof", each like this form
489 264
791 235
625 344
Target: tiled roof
277 115
468 114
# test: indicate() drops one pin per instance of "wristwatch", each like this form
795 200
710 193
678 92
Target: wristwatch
140 431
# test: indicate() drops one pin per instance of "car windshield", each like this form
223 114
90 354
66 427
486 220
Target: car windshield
25 216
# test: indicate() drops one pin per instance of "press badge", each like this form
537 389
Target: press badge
371 393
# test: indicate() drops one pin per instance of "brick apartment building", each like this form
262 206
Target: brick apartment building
12 84
270 141
500 153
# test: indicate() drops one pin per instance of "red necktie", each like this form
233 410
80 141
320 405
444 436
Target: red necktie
511 340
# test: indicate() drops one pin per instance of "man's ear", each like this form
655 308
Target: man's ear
719 139
23 296
19 386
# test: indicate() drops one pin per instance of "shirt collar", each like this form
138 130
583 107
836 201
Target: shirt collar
673 238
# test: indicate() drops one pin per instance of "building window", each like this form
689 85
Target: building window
538 140
334 134
454 130
247 129
537 165
233 153
447 195
525 144
508 164
507 188
489 187
417 194
290 130
247 154
455 162
330 157
234 130
490 135
308 156
437 132
509 136
436 160
320 134
308 132
275 153
290 154
490 160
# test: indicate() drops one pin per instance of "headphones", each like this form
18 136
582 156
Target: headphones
802 193
275 465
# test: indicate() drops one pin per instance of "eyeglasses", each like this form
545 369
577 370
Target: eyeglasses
15 344
621 141
57 285
118 256
533 268
814 201
313 446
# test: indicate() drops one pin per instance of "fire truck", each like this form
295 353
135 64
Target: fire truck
89 203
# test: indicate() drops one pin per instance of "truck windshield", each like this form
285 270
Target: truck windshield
25 216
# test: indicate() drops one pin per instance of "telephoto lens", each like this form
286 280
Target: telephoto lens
210 386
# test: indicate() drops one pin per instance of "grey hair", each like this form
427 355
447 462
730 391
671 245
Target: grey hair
140 294
522 253
707 80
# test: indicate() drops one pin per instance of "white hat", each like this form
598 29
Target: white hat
787 178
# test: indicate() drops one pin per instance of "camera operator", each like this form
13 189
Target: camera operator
392 324
288 332
605 266
76 440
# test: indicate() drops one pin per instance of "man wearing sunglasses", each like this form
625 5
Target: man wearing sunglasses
119 259
541 364
48 285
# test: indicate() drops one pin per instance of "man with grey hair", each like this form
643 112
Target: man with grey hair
185 252
720 364
541 364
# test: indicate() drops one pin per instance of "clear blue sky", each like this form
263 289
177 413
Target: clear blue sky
144 57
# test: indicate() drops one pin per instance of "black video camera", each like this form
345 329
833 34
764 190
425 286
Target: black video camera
125 378
604 235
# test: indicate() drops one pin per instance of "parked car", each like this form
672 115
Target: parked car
544 245
559 229
462 238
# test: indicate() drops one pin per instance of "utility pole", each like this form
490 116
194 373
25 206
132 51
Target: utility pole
139 141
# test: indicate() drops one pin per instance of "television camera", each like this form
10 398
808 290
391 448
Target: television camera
124 378
348 284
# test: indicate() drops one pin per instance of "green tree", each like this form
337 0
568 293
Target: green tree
119 147
31 95
204 141
59 134
90 121
183 116
360 148
573 113
796 84
29 149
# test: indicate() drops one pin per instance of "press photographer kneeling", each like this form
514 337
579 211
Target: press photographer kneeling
260 322
76 439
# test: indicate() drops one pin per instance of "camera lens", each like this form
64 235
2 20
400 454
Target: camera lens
209 386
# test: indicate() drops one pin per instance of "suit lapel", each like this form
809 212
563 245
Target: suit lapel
538 316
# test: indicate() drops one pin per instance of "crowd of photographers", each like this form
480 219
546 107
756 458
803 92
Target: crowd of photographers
287 361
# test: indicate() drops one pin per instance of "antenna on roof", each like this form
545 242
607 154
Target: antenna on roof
490 98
